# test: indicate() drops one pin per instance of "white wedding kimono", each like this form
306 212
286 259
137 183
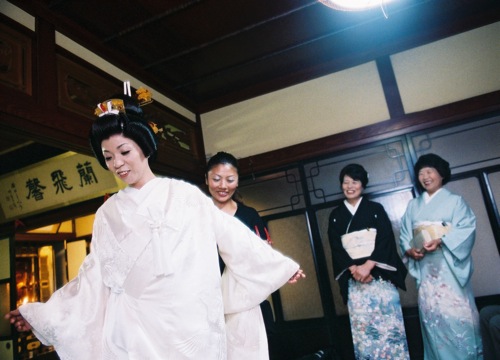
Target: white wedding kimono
151 286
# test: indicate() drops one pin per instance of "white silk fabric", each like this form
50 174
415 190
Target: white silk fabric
151 286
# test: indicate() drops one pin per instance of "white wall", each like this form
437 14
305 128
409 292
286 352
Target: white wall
449 70
17 14
338 102
452 69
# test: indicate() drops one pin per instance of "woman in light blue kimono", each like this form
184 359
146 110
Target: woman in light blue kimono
437 236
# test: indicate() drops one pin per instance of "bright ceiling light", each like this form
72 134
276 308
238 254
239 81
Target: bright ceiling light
354 5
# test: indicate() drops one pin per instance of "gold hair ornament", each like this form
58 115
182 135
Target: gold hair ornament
115 106
155 127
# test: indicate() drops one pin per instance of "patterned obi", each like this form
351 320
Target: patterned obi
426 231
359 244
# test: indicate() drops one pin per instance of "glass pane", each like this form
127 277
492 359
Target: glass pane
76 253
386 166
322 216
494 180
4 259
467 147
4 309
27 279
485 253
301 300
46 272
6 350
273 194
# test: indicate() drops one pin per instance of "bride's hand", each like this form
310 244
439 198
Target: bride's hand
15 318
297 276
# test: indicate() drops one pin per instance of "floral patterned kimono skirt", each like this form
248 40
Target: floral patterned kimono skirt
376 318
448 313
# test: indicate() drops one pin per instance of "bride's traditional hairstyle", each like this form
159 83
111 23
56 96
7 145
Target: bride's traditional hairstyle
122 115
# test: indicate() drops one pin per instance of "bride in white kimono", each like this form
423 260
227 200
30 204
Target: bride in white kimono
437 235
151 286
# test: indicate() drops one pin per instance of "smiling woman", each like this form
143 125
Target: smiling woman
221 176
369 270
442 263
151 282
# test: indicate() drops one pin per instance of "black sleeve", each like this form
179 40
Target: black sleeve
250 217
340 258
336 228
386 250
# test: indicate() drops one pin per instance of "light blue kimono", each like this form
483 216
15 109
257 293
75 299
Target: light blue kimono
448 314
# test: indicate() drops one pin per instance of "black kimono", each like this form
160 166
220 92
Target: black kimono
368 215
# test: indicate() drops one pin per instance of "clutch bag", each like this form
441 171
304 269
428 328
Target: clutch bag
426 231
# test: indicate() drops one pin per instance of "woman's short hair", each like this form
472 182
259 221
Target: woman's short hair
222 158
355 172
131 124
434 161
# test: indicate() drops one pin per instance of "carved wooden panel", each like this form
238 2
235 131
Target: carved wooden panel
81 88
174 133
177 141
15 59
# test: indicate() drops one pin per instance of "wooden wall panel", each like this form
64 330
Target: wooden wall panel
53 104
15 59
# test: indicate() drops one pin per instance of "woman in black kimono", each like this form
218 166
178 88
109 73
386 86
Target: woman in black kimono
221 177
369 270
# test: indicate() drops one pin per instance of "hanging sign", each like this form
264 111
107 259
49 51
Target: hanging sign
60 181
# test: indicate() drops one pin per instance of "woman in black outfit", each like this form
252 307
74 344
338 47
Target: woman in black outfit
221 177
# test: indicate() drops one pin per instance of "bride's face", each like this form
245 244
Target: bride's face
126 160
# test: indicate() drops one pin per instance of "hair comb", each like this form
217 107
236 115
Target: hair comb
115 106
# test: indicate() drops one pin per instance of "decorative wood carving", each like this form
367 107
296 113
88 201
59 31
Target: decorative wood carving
81 88
15 59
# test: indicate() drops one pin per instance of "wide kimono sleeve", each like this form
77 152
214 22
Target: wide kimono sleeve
337 225
406 235
406 231
385 252
254 270
384 242
457 244
72 319
336 228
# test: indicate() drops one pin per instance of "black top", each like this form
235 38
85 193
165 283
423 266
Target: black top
368 215
250 217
